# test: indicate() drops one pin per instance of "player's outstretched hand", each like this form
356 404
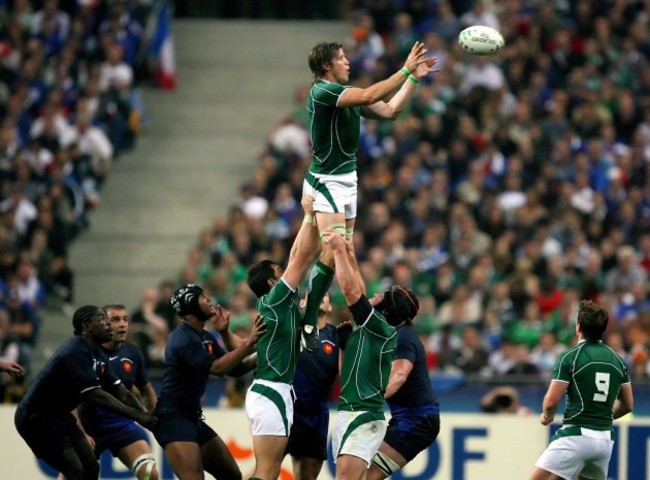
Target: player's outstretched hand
415 57
544 420
425 68
147 420
307 202
344 330
12 368
258 329
334 239
220 321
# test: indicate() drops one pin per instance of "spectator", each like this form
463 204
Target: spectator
504 399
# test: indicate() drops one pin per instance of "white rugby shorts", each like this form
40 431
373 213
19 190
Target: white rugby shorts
354 436
332 193
574 456
269 407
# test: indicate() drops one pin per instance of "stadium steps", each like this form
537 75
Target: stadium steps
235 79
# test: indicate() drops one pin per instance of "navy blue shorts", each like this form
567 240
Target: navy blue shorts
177 427
118 438
47 435
308 436
410 434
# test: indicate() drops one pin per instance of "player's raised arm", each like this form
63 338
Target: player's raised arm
230 360
377 92
302 254
348 279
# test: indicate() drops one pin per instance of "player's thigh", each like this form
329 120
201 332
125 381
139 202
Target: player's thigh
541 474
409 434
597 466
305 468
53 438
269 408
269 453
358 434
351 467
176 427
308 437
218 461
564 457
85 453
333 194
185 460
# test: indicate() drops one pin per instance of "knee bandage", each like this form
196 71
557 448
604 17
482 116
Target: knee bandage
383 462
146 460
348 233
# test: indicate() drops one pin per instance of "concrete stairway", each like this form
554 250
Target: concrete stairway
236 78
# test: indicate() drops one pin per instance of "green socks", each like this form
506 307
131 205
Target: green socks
321 280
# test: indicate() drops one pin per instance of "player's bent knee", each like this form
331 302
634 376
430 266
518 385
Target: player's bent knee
387 465
146 461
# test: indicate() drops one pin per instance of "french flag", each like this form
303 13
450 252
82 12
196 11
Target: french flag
161 46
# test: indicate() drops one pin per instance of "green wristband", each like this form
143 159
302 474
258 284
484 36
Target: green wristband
405 71
413 79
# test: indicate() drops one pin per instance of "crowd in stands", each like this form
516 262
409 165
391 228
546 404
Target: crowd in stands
514 186
68 109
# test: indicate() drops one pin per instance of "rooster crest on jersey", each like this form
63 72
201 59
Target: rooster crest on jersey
481 40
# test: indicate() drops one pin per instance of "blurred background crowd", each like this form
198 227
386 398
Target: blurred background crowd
512 187
69 106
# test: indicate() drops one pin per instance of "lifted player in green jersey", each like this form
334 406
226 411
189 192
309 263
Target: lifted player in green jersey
598 389
334 110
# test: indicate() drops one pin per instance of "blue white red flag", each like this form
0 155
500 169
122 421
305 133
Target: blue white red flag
161 46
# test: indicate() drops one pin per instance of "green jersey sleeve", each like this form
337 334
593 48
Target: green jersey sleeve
328 93
563 367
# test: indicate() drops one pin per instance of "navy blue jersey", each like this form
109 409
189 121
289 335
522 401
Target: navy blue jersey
417 390
127 363
73 369
316 371
188 357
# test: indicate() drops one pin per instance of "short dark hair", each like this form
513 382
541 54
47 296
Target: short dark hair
322 55
399 305
259 276
83 315
592 319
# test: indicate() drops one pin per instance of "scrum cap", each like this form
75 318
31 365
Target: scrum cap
185 300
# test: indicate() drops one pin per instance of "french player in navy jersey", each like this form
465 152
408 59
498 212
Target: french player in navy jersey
75 373
192 354
415 415
123 437
315 375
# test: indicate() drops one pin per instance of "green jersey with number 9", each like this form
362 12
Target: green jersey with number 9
595 374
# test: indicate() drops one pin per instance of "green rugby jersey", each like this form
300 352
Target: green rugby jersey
366 365
334 131
278 347
595 374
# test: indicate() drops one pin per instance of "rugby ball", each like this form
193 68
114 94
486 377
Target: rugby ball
481 40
